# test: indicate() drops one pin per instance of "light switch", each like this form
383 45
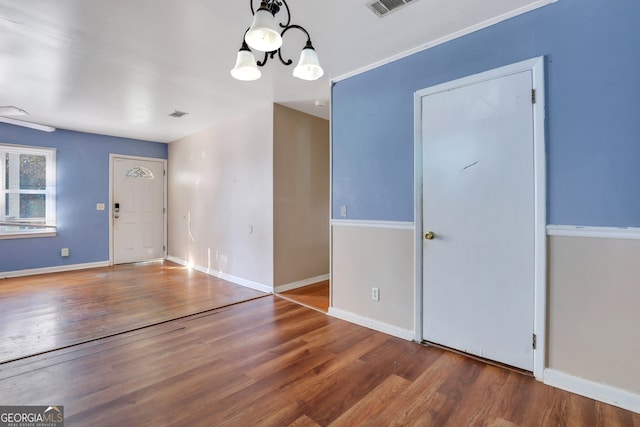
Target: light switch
343 211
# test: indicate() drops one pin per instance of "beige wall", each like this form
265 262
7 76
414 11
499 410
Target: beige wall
301 196
221 197
594 309
371 256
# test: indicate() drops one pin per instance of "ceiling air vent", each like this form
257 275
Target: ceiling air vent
384 7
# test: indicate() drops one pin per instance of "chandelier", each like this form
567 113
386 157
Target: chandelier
265 35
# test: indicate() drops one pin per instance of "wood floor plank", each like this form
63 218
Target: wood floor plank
406 362
304 421
314 296
485 398
300 378
500 422
605 414
373 403
263 365
432 408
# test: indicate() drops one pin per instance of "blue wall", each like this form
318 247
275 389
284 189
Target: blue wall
593 113
82 181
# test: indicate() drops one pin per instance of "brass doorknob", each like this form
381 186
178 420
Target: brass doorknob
429 235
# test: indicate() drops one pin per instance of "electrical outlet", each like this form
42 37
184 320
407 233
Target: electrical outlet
64 252
375 294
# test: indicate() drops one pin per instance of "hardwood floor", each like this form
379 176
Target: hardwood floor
270 362
50 311
314 296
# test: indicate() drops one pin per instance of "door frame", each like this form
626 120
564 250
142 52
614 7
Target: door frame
112 157
536 66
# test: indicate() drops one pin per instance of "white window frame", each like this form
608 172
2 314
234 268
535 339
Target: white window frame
47 229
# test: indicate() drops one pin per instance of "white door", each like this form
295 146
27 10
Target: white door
478 200
137 209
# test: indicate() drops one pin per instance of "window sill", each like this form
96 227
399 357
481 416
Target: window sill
27 234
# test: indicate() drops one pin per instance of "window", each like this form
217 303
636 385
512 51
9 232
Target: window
27 191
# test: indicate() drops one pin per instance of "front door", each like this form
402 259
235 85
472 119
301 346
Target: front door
137 209
478 204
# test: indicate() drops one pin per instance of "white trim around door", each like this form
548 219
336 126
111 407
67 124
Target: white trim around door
113 156
536 66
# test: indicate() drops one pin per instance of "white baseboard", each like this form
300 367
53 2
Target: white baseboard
56 269
224 276
372 324
604 393
301 283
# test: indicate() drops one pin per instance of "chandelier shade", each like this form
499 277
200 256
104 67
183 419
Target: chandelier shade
308 67
246 68
264 36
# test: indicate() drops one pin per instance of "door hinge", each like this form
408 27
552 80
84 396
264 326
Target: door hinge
164 210
533 341
164 172
533 96
164 248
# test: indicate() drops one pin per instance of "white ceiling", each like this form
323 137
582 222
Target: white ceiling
120 67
